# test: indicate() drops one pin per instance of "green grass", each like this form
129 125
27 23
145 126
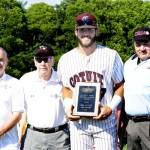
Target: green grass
125 147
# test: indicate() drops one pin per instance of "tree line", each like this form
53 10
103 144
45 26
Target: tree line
22 30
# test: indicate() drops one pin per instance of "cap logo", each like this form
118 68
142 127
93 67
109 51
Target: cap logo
43 47
140 33
85 18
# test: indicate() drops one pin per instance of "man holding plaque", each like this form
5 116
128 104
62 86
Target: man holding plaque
89 74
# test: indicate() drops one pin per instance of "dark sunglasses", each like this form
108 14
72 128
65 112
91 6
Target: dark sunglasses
45 59
86 21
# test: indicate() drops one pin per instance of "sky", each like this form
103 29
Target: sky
50 2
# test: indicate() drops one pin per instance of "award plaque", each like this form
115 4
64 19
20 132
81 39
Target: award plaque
86 96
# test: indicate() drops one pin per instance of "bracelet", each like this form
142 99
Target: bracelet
115 102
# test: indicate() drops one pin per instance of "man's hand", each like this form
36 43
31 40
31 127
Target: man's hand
8 125
104 112
22 127
1 131
70 115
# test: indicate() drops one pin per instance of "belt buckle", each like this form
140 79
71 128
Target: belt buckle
134 117
44 130
56 129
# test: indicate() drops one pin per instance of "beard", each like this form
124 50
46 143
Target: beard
87 44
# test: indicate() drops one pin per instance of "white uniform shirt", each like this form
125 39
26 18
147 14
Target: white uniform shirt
11 100
43 100
103 65
137 87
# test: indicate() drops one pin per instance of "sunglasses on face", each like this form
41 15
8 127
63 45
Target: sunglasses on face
86 21
45 59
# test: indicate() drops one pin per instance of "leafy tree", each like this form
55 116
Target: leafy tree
21 31
42 24
12 30
117 20
12 26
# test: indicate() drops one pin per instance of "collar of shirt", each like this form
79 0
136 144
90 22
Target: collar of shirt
53 79
4 77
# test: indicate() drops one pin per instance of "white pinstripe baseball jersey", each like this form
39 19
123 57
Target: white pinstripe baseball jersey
103 65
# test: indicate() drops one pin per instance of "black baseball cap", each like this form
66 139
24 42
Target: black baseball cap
85 20
142 35
43 51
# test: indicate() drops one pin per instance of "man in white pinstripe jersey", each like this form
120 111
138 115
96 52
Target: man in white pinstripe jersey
89 62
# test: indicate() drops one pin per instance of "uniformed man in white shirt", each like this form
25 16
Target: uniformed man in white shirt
47 127
11 106
137 92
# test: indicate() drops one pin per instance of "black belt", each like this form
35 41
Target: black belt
139 118
48 130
